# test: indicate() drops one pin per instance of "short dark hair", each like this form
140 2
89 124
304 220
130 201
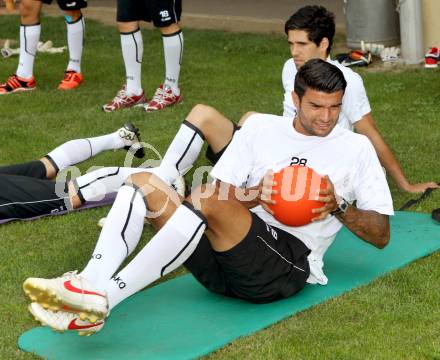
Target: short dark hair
316 20
319 75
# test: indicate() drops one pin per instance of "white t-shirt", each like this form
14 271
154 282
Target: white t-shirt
270 142
355 103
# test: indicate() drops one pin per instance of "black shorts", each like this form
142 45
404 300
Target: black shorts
25 192
214 157
35 169
69 4
267 265
161 12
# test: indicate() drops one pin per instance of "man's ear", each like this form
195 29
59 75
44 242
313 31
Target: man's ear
296 100
323 45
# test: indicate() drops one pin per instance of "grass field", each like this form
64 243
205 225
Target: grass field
397 316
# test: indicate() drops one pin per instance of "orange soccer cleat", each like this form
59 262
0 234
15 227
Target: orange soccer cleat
72 80
16 84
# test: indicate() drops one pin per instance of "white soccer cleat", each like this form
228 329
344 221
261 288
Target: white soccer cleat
64 321
131 137
70 292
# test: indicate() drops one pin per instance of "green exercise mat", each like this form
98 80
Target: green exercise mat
179 319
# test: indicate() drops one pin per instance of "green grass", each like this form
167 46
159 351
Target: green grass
397 316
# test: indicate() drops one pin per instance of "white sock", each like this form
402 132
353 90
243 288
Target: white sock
29 37
75 40
132 50
76 151
173 51
165 252
106 142
118 238
96 184
181 154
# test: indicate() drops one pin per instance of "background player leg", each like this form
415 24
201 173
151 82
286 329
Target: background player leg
30 30
75 40
168 93
132 47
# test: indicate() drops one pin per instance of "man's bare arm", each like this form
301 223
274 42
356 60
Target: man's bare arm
369 225
252 196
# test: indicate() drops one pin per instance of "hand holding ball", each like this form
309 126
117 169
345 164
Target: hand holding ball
297 193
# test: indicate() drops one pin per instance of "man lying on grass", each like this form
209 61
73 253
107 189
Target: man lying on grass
28 189
229 241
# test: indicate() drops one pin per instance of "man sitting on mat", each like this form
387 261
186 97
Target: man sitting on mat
230 242
310 33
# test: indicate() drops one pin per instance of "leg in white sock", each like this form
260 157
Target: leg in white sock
118 238
76 151
132 51
182 153
179 236
166 251
75 41
96 184
173 52
29 37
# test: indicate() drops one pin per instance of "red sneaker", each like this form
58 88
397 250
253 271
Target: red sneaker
162 98
432 58
122 100
16 84
72 80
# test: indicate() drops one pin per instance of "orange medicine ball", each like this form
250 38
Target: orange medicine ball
298 188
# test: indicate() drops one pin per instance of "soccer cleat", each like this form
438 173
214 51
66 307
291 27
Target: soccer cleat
70 292
432 57
64 321
16 84
162 98
122 101
132 139
390 54
72 80
355 58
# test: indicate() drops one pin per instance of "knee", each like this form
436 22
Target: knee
29 13
73 15
151 185
140 180
201 116
204 198
127 27
170 29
